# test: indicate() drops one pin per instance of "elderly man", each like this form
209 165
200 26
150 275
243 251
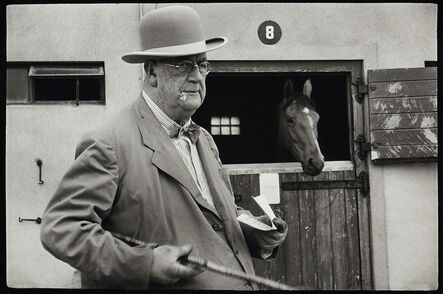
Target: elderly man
147 187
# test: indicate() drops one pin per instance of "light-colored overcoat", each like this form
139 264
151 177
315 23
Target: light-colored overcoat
129 179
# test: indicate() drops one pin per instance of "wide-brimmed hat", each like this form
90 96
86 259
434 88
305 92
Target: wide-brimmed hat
171 32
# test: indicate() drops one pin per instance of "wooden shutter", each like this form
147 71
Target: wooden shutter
403 113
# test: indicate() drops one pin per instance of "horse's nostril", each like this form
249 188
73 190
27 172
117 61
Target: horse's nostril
317 164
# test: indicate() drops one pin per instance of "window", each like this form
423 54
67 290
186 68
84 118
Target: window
225 125
431 63
54 83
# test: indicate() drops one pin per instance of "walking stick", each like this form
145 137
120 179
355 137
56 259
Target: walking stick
212 266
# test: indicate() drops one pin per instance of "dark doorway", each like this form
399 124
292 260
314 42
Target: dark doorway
253 98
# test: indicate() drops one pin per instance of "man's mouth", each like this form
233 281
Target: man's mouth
184 94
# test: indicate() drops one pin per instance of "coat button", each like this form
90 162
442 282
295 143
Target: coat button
216 227
236 251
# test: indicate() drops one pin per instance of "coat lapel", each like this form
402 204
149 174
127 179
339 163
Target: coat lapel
166 156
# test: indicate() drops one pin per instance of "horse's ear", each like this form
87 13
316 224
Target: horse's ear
307 88
288 89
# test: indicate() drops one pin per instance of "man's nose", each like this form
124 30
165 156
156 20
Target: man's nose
195 73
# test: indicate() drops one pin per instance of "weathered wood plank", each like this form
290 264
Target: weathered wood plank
402 74
308 240
360 119
277 267
247 185
353 253
410 120
338 238
323 235
283 167
403 89
402 105
365 248
291 214
404 151
280 66
404 137
403 121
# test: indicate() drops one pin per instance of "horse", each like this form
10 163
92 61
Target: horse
297 129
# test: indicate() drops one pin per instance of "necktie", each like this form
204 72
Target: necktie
192 132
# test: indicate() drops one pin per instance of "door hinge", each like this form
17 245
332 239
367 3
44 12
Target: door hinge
362 90
363 179
361 183
363 146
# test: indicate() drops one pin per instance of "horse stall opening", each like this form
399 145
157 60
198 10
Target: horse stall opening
327 246
253 97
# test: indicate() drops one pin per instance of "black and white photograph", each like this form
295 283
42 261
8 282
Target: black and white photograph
221 146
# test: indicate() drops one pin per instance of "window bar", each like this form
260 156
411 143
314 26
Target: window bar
77 92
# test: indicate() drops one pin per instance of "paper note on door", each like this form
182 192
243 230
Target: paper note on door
253 222
270 187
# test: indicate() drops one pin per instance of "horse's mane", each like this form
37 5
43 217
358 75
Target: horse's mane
301 98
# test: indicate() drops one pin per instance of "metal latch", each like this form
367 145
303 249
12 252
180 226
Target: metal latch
361 182
362 89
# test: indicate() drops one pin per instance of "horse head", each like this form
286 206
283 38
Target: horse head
298 127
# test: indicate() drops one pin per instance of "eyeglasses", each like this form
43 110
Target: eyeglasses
186 66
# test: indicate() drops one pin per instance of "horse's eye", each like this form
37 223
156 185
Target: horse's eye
290 120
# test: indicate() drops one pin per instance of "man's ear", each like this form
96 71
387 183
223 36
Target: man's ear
150 73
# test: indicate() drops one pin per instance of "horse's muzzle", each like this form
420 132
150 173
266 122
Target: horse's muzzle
314 167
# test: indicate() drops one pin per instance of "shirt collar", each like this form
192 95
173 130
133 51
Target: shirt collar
167 123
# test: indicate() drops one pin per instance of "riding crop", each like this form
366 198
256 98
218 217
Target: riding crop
214 267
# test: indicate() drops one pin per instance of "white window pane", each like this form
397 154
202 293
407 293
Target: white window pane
235 120
225 130
215 130
215 121
225 120
235 130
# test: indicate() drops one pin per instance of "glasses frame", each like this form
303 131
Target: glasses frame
188 69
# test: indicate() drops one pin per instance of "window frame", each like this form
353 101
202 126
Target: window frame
353 70
79 64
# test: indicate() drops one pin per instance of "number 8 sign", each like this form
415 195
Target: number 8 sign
269 32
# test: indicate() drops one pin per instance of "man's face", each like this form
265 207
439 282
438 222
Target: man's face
173 84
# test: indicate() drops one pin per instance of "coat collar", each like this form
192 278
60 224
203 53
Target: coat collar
166 156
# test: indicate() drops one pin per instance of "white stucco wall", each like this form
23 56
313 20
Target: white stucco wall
50 132
403 196
412 213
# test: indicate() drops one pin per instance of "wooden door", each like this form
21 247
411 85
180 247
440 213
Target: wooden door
328 244
322 249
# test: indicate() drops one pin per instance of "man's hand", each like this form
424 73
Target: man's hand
268 240
166 269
